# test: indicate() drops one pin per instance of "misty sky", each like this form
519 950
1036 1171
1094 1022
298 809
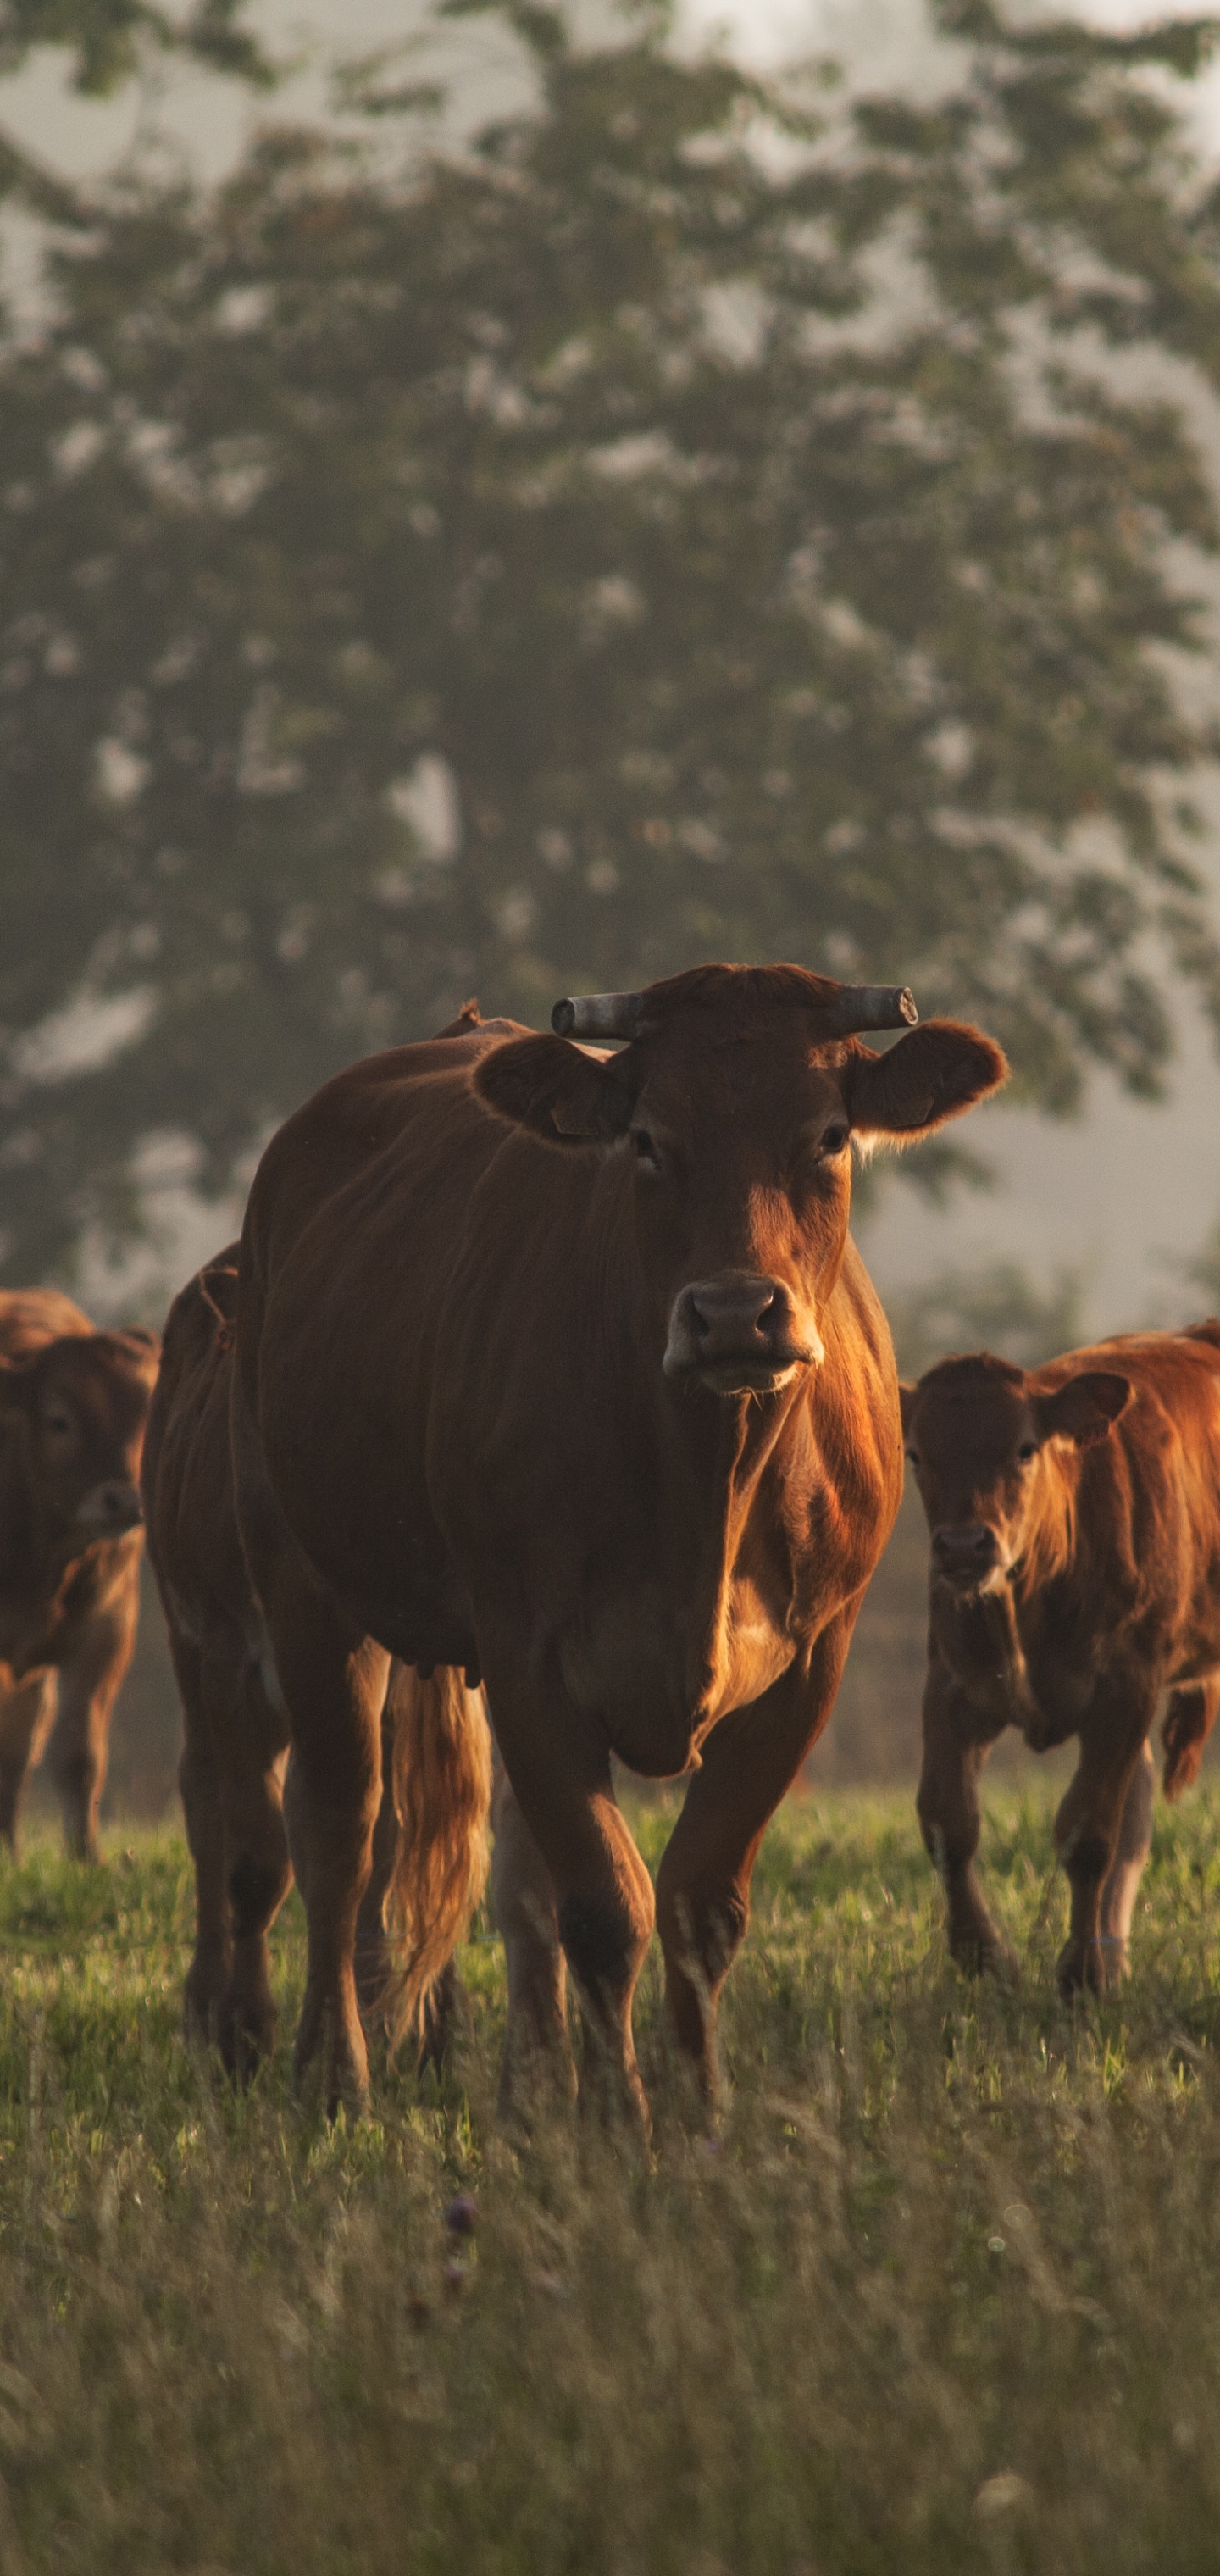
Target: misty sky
1116 1194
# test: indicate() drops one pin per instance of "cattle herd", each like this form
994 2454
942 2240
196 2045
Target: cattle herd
546 1380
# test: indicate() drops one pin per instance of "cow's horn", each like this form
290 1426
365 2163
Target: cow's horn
597 1015
873 1006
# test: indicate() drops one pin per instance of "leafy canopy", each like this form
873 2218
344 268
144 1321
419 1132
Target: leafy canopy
701 516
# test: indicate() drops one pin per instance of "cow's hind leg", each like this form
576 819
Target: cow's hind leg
27 1713
373 1967
1090 1822
1121 1887
207 1977
957 1739
537 2049
251 1735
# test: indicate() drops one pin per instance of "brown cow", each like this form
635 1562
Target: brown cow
72 1409
1075 1520
564 1369
236 1734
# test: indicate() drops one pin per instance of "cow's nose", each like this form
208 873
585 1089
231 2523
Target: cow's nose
112 1508
969 1547
730 1317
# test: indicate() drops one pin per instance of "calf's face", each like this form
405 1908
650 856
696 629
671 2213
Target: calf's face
982 1437
80 1407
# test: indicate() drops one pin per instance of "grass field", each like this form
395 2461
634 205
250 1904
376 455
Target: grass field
945 2293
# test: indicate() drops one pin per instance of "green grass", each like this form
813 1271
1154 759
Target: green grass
945 2293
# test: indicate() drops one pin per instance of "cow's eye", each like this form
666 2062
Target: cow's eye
60 1423
834 1138
913 1455
1027 1450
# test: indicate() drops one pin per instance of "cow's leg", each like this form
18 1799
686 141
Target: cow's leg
749 1762
89 1685
1087 1827
250 1735
333 1681
957 1738
559 1765
537 2049
372 1953
1119 1893
334 1684
207 1977
27 1711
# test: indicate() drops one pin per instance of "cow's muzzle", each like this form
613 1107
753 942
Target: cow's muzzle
110 1511
739 1335
967 1554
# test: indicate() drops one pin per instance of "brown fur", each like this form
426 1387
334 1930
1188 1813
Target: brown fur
1075 1520
236 1735
482 1420
72 1411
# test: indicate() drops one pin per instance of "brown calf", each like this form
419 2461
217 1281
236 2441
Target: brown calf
1074 1513
563 1369
72 1410
236 1736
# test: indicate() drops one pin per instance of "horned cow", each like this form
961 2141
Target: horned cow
561 1368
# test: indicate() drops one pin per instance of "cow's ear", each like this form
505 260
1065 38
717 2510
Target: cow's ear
1085 1408
930 1076
557 1092
906 1398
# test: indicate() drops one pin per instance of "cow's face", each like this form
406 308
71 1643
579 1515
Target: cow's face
735 1114
980 1436
81 1405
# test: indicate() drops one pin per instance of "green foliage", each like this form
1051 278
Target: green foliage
999 1309
109 39
940 2298
697 518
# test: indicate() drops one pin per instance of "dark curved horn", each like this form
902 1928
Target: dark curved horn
597 1015
873 1006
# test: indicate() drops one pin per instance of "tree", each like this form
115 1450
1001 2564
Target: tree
701 516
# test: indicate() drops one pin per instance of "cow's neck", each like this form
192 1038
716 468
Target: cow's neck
713 1455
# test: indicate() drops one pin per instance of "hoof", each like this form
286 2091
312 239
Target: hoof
247 2038
1092 1967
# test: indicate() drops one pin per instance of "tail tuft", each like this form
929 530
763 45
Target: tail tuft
442 1792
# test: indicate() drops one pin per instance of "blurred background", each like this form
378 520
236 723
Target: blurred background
512 500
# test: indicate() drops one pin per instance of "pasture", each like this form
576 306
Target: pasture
942 2295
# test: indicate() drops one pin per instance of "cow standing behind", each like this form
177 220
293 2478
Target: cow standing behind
1074 1512
73 1404
236 1736
563 1369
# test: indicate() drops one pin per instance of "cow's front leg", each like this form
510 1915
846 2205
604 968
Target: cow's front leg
27 1711
749 1762
1121 1887
558 1763
537 2049
89 1685
957 1738
1089 1831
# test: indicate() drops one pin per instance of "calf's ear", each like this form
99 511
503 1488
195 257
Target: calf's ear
1086 1408
555 1091
934 1074
906 1399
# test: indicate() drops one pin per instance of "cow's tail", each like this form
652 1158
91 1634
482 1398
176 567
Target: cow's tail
442 1792
1189 1720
